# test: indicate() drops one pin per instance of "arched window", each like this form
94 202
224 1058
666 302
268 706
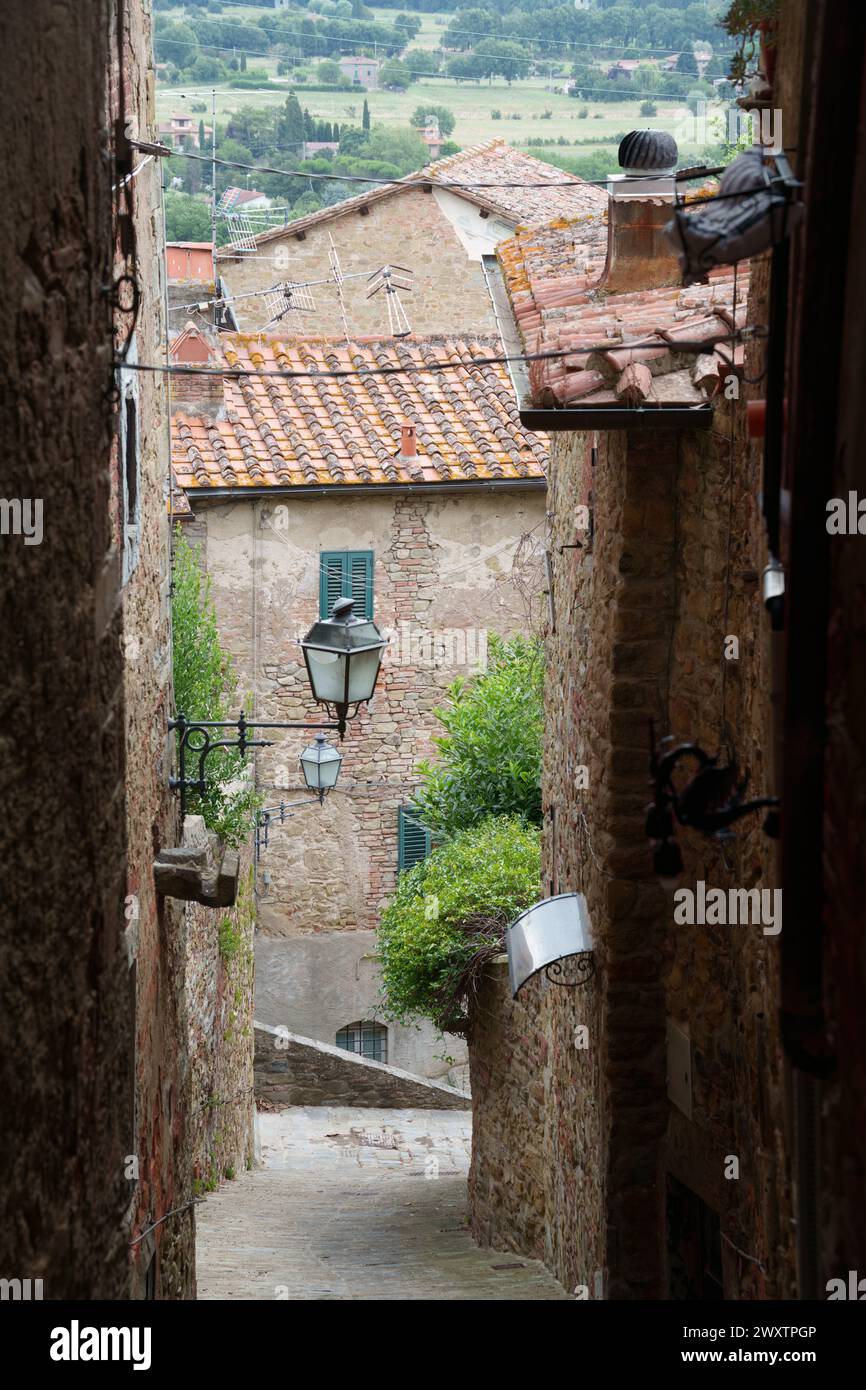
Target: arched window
366 1038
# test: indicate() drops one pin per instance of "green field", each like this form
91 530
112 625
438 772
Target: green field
472 106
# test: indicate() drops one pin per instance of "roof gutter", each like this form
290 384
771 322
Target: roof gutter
346 490
569 418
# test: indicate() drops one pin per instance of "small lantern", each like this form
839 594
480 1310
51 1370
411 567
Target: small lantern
343 655
545 935
320 764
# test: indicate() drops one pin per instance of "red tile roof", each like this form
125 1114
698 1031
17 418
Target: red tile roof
345 431
484 163
554 282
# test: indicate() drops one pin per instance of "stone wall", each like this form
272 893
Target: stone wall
407 229
507 1072
291 1070
641 617
66 1044
317 984
219 995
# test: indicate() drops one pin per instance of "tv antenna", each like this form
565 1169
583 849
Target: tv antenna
338 278
392 279
287 299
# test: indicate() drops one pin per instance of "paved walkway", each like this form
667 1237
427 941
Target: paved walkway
356 1204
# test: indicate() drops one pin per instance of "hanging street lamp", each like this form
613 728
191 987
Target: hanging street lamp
320 764
343 656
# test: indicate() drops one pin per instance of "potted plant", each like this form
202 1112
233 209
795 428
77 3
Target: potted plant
749 21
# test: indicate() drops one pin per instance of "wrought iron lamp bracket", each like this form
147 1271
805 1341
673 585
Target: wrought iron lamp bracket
195 739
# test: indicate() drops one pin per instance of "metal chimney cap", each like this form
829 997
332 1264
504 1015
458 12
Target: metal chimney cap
648 152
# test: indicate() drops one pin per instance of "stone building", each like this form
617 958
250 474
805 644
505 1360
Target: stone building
671 1177
689 1124
105 1067
439 234
421 495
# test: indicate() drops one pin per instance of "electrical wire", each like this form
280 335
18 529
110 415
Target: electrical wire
417 178
417 368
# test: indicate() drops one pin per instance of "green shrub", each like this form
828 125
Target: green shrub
205 685
448 916
490 752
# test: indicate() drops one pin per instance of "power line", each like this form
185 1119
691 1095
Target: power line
704 345
408 180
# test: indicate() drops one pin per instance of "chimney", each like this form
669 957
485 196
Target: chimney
408 448
196 394
639 255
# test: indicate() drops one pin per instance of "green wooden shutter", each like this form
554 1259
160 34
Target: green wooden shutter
413 840
346 573
359 564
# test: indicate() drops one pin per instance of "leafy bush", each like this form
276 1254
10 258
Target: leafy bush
648 108
205 687
448 916
490 753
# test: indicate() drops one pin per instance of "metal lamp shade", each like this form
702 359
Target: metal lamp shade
320 764
548 932
343 655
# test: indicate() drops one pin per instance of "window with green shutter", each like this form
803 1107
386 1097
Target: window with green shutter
413 840
346 573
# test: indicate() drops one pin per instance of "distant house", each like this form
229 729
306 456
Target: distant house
181 131
440 233
626 67
432 137
314 147
362 71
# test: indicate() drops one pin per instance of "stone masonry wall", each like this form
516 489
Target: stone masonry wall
443 578
219 995
66 1044
408 229
290 1070
641 616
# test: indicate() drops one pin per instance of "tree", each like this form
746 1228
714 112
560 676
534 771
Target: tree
202 138
449 915
292 133
329 72
175 43
205 686
186 218
395 74
243 62
490 752
445 118
501 56
365 116
401 148
422 62
686 63
467 25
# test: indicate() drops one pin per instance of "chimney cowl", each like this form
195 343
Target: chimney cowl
648 152
408 447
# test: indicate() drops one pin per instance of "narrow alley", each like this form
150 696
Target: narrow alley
356 1204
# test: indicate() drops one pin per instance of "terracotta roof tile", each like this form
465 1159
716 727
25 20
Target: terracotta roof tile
553 276
478 165
346 431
